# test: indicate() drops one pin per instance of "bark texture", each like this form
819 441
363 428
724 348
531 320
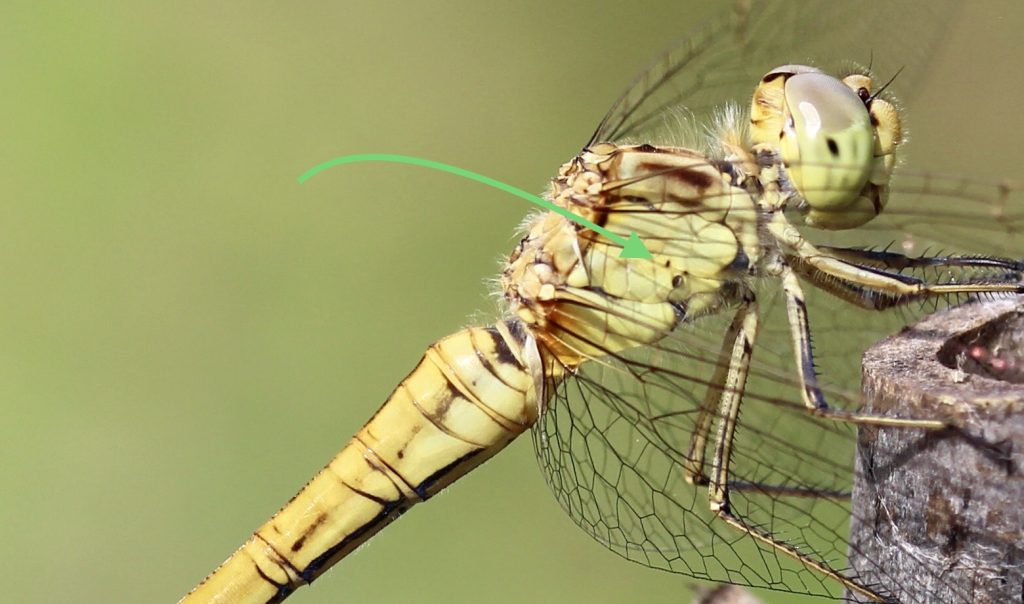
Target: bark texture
938 515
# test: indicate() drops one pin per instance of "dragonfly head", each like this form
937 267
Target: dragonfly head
836 141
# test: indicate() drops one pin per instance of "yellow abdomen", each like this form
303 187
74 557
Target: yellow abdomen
471 394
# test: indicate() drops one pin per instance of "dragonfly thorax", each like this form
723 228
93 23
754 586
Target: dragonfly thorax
834 139
568 285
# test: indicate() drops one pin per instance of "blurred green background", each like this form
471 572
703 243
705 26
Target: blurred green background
188 335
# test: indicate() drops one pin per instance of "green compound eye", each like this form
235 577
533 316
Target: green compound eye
836 141
827 142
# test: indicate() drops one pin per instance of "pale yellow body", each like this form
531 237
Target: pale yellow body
472 393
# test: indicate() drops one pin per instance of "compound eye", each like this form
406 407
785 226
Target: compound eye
829 147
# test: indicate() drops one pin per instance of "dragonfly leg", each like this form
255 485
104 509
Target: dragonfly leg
693 464
730 393
868 278
895 261
814 398
878 289
727 375
743 332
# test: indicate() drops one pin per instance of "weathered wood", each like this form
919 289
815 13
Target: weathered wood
939 516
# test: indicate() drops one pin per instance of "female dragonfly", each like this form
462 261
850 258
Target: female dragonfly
682 412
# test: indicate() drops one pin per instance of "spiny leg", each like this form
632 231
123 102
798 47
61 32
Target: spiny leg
876 299
835 270
878 289
729 400
742 344
693 465
895 261
725 377
814 398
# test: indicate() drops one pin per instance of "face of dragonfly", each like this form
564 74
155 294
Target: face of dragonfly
836 142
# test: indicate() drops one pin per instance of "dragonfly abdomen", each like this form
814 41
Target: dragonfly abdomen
471 394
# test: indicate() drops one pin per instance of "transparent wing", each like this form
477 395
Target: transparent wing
721 61
943 213
612 442
613 438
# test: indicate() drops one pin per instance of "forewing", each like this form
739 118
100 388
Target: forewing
722 60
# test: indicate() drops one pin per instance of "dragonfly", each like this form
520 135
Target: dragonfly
682 413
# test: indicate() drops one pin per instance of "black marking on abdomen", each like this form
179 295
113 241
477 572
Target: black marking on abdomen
386 515
309 531
501 348
437 416
505 356
748 347
423 489
517 330
283 589
876 199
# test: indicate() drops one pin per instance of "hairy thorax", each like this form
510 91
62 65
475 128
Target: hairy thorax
569 286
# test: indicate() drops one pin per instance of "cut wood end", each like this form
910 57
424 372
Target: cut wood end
937 514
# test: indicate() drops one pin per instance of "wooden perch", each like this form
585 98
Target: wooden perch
939 515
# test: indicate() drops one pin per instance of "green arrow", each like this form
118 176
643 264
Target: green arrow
632 246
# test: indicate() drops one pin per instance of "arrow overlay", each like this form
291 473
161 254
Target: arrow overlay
632 246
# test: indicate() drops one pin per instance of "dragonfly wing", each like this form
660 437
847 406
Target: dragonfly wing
613 440
943 213
723 59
